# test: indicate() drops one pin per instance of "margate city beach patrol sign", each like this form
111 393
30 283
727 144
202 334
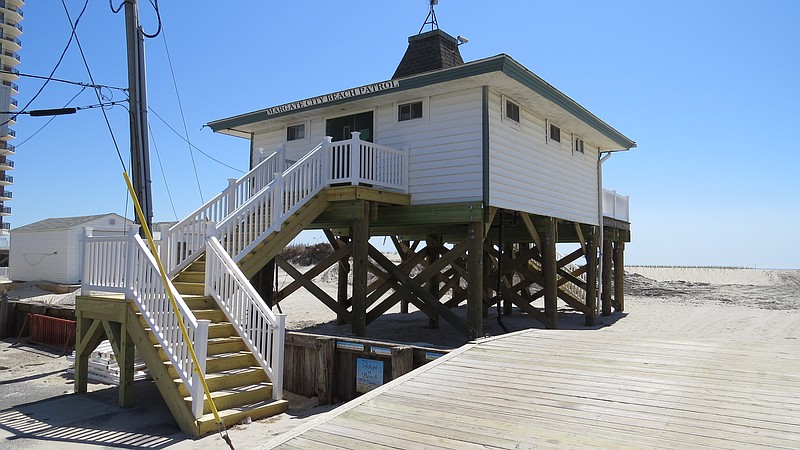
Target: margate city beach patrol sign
327 98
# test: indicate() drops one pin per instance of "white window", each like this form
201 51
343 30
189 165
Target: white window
553 134
577 145
511 111
409 111
296 132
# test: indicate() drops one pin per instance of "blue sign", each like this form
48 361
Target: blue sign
369 374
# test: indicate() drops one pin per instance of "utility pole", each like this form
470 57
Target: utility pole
137 89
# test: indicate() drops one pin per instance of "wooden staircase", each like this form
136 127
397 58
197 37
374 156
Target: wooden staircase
290 228
239 386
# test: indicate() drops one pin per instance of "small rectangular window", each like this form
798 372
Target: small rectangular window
578 145
512 111
555 133
296 132
409 111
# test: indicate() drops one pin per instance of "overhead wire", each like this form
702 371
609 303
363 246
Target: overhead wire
51 119
33 112
180 105
158 15
193 146
60 80
58 63
163 174
91 78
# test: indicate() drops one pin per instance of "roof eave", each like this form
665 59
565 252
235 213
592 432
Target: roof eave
500 63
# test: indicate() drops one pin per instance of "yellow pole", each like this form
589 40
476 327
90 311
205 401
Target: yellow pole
174 303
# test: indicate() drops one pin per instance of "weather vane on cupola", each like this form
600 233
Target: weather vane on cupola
431 19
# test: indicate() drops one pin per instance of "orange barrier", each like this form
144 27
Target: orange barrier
50 331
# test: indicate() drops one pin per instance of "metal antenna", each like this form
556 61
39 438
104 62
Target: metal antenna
431 19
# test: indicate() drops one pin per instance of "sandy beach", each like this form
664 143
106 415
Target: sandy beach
719 303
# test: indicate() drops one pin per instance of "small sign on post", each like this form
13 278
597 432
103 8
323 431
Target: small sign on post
369 374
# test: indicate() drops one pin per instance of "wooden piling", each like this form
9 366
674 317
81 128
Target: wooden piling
619 276
360 237
550 273
606 278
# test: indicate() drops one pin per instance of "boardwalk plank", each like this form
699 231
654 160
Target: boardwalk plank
567 389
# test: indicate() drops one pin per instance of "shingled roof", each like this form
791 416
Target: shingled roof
429 51
64 223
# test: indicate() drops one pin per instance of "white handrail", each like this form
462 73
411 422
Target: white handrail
181 243
123 264
261 330
616 206
328 163
264 213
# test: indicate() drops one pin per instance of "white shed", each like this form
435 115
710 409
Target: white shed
51 249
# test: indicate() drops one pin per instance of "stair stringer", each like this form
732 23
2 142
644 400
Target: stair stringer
159 371
273 243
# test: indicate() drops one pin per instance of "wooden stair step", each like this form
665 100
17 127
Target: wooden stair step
230 344
227 361
220 362
236 396
195 302
221 329
215 330
231 416
227 379
184 287
214 315
191 277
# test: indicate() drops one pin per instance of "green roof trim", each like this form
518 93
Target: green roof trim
500 63
519 73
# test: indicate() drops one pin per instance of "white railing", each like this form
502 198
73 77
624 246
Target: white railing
123 264
261 330
263 214
328 163
615 205
180 243
372 164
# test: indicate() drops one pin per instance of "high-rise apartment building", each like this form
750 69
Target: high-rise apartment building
10 44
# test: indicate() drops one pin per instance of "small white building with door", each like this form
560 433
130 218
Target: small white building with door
52 249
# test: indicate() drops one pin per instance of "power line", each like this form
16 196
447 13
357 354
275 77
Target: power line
180 107
58 63
193 146
51 118
163 174
65 110
59 80
158 14
91 78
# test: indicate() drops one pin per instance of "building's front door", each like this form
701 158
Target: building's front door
341 127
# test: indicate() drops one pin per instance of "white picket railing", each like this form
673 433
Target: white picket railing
616 206
373 164
249 225
328 163
179 244
261 330
123 264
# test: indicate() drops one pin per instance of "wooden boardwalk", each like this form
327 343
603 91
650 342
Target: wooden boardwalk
578 389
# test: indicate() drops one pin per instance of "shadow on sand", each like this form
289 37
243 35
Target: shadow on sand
92 419
412 327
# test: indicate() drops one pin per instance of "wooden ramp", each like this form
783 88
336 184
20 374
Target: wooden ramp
578 389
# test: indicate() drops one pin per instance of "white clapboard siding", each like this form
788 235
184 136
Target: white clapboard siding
31 256
56 254
446 162
445 145
527 174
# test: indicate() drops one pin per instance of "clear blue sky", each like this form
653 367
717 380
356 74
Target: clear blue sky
707 89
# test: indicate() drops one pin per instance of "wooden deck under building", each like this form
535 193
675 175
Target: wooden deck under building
573 389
